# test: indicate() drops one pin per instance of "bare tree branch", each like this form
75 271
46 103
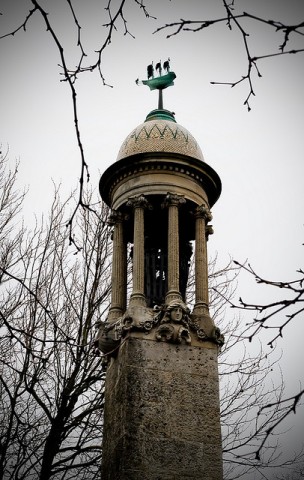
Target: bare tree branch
232 19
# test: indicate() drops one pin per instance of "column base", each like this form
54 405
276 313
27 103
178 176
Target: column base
173 295
138 299
114 314
201 308
202 315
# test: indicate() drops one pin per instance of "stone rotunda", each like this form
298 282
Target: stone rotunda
162 418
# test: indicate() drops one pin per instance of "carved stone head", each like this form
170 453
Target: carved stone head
176 312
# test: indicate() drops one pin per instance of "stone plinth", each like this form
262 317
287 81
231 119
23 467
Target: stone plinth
162 413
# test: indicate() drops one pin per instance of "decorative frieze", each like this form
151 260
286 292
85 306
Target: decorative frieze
171 323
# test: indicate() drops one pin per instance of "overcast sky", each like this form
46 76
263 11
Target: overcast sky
258 155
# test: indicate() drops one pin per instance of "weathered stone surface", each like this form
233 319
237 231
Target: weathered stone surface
166 399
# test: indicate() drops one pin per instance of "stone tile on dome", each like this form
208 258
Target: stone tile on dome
160 136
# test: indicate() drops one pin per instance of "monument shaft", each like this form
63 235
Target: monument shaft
162 413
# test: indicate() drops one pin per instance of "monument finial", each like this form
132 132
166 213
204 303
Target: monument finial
159 82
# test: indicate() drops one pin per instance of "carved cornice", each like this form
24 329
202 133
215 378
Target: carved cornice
160 162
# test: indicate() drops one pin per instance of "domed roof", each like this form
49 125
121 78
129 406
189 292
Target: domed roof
160 133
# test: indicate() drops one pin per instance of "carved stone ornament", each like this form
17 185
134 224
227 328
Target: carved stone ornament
170 323
204 212
138 201
116 217
173 199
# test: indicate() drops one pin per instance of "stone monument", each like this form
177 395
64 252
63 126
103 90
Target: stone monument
162 418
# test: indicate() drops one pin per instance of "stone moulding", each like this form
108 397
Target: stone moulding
171 323
139 166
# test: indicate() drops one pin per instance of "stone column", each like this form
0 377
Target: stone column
202 217
173 201
139 203
119 268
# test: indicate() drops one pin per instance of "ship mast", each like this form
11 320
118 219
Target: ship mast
161 82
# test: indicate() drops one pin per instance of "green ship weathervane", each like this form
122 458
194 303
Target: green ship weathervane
159 82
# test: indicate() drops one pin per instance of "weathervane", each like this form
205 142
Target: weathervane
159 82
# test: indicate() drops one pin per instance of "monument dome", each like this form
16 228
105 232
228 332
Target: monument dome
158 156
160 133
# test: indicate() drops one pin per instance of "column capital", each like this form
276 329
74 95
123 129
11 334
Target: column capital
209 231
202 211
173 199
116 217
139 201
